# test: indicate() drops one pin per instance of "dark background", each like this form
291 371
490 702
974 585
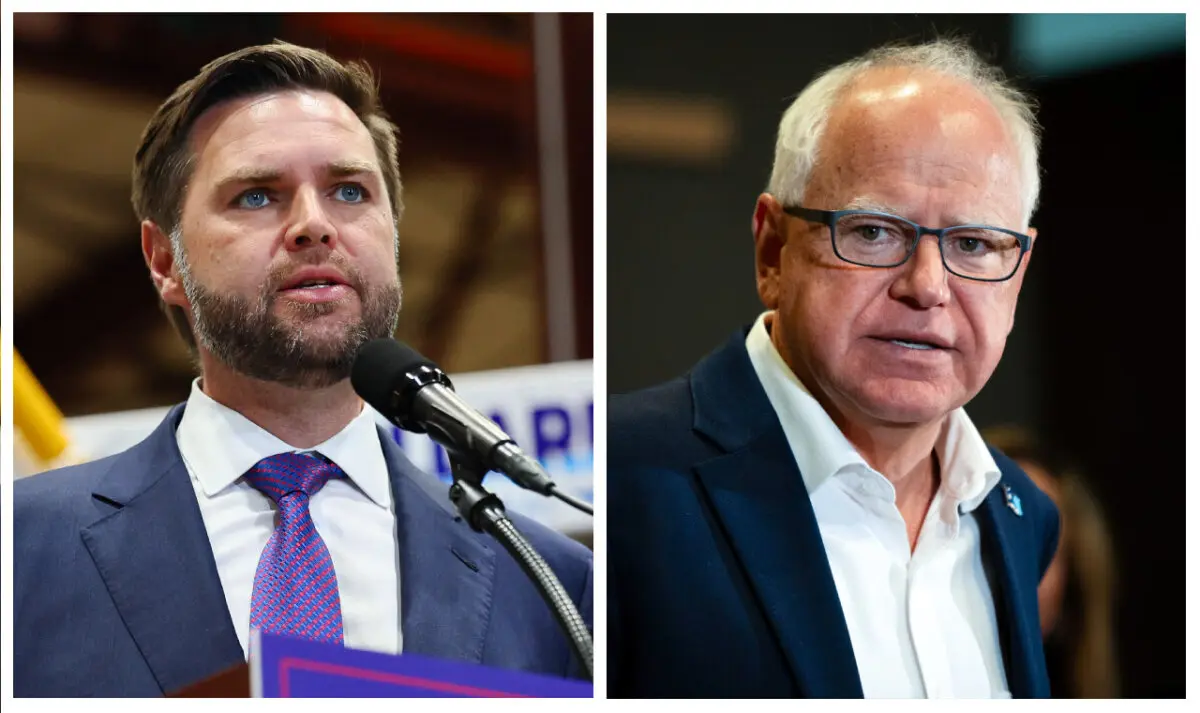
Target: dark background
1095 363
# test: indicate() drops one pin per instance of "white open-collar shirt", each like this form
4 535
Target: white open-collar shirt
922 622
354 516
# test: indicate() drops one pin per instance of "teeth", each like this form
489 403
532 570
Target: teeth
912 345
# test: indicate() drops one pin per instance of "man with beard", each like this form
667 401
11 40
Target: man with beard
269 195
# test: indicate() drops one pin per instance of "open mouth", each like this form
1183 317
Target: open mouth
914 344
313 284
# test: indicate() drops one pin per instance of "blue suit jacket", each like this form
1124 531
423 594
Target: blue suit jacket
116 593
719 585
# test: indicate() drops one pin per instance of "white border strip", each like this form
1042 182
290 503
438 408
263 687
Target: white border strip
600 352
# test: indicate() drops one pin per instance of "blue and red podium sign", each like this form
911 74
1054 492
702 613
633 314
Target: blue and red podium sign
283 667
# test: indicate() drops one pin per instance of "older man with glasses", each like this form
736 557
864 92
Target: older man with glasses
809 511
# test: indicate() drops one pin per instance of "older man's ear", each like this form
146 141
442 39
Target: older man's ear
770 235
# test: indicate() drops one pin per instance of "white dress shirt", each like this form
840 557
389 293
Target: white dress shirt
922 622
354 516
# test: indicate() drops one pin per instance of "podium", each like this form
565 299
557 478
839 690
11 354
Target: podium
232 683
283 667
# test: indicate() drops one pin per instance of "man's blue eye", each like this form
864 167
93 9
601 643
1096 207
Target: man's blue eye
350 193
253 199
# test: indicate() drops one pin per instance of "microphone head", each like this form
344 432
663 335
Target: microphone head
388 373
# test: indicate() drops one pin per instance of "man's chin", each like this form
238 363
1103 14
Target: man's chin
905 402
312 364
321 324
299 313
316 350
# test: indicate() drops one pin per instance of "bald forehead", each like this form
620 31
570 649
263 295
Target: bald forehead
900 121
893 93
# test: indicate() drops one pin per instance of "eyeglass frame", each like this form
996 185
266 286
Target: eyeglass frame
829 218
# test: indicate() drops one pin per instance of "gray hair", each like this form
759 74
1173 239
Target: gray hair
804 122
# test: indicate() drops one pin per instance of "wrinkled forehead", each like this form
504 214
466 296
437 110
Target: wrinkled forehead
898 131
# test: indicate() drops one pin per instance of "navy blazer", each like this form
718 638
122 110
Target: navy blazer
116 593
718 581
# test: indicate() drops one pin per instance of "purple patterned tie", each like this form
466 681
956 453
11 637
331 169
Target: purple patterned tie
295 587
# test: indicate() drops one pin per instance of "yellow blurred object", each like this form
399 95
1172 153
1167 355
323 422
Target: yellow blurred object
35 415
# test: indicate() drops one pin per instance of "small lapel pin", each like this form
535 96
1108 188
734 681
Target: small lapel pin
1013 500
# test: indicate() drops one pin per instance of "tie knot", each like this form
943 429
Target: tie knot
279 475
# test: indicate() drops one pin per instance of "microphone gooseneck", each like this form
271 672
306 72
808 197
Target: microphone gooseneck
412 392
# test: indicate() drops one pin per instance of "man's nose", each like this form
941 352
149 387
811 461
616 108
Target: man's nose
924 280
310 223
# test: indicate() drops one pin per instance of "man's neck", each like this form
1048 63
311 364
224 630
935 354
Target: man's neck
903 453
907 457
302 418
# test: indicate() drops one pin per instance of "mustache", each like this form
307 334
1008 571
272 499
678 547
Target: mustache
278 276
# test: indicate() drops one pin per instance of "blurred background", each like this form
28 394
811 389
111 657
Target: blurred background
495 116
1084 389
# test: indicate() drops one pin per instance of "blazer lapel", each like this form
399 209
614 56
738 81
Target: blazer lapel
1014 590
759 496
155 558
446 569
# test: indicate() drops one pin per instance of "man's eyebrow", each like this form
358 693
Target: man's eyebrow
864 203
249 175
340 169
261 176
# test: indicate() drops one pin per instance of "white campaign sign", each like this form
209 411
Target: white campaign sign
547 409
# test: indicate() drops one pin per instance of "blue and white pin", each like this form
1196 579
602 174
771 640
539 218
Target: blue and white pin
1013 500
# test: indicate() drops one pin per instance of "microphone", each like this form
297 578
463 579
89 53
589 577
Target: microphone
412 392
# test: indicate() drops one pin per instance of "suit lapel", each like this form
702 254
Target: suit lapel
155 558
446 570
759 497
761 501
1004 533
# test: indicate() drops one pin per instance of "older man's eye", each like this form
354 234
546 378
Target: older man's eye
874 233
253 199
971 245
350 193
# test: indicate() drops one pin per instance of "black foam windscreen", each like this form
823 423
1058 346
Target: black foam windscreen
379 368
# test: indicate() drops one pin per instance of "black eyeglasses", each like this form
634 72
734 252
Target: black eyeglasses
872 239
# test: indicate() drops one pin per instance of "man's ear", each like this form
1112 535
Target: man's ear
160 258
770 235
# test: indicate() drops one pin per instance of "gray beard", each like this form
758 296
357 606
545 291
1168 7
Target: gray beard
249 338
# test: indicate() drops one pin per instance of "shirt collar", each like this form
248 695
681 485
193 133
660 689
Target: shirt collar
219 445
818 445
821 450
969 472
